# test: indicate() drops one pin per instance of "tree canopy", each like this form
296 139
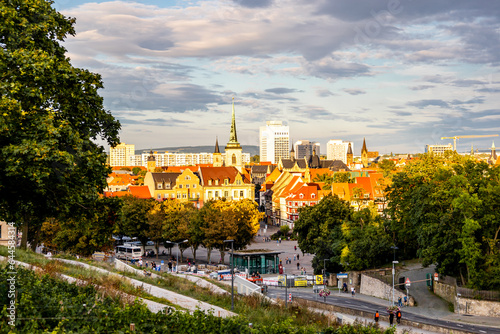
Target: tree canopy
51 118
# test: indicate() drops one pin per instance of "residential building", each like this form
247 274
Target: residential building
337 149
438 149
184 186
305 148
225 182
274 141
121 155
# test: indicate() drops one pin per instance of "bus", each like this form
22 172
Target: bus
128 252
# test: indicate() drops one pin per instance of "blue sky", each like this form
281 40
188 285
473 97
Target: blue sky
400 73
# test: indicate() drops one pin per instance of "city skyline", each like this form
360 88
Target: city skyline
400 73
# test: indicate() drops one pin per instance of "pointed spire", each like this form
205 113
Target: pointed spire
493 145
233 138
349 149
217 145
292 152
363 149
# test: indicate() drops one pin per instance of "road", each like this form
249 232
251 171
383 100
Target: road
359 304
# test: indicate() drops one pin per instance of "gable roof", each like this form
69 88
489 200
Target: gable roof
139 191
220 173
166 178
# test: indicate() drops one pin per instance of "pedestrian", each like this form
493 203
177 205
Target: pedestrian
297 257
294 257
391 318
294 248
400 302
353 291
406 301
376 316
170 266
298 266
140 262
398 317
146 264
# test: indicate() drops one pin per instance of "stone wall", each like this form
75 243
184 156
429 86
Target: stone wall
466 305
374 287
445 291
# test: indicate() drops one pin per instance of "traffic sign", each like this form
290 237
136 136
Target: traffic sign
407 282
341 275
289 297
436 276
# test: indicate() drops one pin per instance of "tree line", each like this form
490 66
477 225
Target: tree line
147 219
442 210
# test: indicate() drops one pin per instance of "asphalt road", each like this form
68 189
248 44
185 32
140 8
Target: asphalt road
358 304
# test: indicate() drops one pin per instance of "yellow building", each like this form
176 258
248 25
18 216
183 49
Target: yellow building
184 186
225 182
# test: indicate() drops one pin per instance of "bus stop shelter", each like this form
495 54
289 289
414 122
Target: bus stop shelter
257 260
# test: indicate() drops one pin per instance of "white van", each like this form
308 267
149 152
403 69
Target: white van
128 252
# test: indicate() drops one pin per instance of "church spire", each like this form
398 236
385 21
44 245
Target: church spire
364 149
217 145
233 138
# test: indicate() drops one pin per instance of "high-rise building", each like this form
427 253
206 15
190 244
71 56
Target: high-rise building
336 149
274 140
121 154
304 149
438 149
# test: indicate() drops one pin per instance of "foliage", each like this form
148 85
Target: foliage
134 220
342 177
443 210
51 116
387 166
285 229
136 170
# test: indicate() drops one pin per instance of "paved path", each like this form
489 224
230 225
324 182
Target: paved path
188 303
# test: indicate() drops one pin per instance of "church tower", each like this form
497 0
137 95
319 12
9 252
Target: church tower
151 162
217 161
233 148
292 153
364 154
492 160
350 156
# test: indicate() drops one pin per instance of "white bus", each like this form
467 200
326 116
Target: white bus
128 252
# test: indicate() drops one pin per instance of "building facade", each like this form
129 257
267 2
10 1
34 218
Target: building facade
305 148
121 155
438 149
274 141
337 149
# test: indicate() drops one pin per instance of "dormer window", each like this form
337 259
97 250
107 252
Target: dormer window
226 182
238 182
301 196
217 182
167 186
209 182
159 185
313 195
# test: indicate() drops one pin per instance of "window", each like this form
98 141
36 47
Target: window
180 186
209 182
242 193
165 196
187 186
159 185
217 182
194 186
235 193
159 196
209 194
226 182
187 177
313 195
233 159
184 196
238 182
301 195
178 195
367 195
216 194
226 194
167 186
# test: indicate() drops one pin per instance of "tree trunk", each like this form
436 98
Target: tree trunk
193 250
209 253
24 237
222 256
36 239
182 252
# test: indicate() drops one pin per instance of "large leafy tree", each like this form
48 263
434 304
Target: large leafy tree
51 118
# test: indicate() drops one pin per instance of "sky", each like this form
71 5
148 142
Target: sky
400 73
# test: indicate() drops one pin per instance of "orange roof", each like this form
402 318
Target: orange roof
180 169
266 163
319 171
116 193
140 191
131 167
221 173
304 193
341 190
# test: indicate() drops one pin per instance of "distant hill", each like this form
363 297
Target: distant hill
252 149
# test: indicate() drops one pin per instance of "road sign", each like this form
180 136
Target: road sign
436 276
289 297
341 275
407 282
319 279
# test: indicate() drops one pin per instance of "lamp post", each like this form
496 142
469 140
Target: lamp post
393 270
177 243
232 273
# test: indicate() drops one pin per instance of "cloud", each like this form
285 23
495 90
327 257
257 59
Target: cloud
324 93
281 90
254 3
421 104
354 91
422 87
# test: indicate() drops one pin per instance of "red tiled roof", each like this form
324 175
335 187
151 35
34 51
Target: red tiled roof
220 173
139 191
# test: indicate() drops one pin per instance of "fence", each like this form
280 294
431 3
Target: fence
479 294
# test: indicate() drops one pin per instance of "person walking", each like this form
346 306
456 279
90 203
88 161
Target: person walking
298 266
353 291
398 317
400 302
391 318
376 316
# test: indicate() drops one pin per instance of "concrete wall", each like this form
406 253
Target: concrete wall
373 287
245 287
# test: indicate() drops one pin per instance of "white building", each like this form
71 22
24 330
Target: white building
164 159
336 149
274 141
438 149
304 148
121 154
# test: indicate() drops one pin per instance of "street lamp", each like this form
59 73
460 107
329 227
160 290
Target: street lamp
177 243
393 271
324 270
232 273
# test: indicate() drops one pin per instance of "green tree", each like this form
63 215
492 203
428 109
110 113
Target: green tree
387 166
326 179
136 170
342 177
134 218
51 116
